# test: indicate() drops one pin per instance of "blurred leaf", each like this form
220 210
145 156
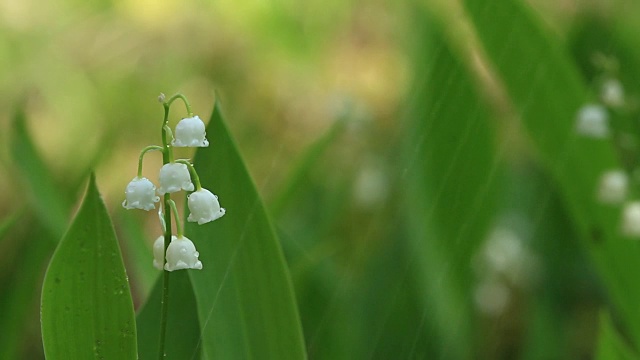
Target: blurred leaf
87 310
245 299
7 223
301 170
46 197
450 193
183 330
611 346
534 68
18 304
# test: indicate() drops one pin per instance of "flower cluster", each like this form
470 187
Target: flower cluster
175 175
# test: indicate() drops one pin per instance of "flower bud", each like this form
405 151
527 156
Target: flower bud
173 178
190 132
204 207
182 254
140 194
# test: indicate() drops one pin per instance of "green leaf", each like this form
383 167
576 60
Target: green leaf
87 311
46 197
450 196
611 346
547 92
245 299
183 330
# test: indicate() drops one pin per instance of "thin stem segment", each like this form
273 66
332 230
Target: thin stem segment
176 217
143 152
167 156
184 99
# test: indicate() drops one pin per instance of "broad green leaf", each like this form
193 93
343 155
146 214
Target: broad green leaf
612 346
183 330
46 197
547 92
450 187
86 310
245 299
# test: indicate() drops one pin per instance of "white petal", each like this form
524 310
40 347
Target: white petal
204 207
174 177
182 254
190 132
140 194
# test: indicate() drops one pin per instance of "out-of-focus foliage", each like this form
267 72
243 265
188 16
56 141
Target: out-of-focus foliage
418 160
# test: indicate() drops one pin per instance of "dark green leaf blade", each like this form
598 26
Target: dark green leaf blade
87 311
245 299
183 330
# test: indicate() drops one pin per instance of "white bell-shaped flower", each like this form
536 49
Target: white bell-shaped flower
158 252
182 254
204 207
174 177
190 132
140 194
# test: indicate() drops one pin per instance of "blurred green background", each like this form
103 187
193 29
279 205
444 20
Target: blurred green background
408 166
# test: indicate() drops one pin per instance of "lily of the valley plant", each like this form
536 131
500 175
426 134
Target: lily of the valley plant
174 252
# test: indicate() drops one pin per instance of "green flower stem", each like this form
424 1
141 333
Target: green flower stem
166 132
144 151
192 171
165 277
167 156
177 219
184 99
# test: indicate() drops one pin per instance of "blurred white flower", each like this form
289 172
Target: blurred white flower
631 219
505 255
593 121
174 177
371 186
613 187
182 254
492 297
140 194
612 93
204 207
190 132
